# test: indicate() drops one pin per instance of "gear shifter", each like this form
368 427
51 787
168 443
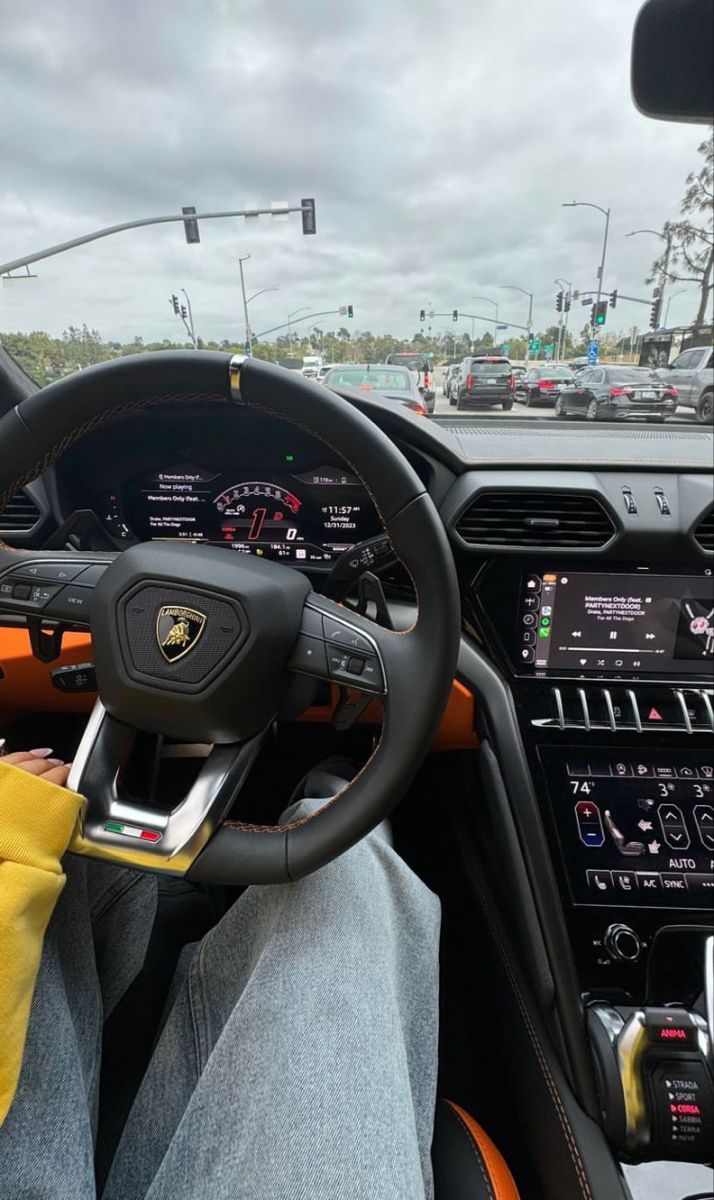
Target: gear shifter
629 849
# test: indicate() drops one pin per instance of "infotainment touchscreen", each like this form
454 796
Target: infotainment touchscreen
582 622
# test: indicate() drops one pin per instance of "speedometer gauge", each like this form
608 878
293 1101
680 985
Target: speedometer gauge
256 511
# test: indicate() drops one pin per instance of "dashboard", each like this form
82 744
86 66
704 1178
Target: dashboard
253 487
588 625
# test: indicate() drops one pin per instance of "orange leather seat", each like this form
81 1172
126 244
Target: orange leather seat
467 1165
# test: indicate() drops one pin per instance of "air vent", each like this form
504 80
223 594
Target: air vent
20 515
525 518
704 533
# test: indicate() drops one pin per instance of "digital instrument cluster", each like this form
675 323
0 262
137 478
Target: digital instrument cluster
298 513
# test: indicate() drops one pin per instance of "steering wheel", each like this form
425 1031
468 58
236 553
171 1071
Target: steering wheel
196 643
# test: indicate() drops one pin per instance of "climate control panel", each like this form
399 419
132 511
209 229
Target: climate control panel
635 831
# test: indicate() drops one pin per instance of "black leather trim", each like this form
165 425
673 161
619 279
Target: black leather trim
460 1172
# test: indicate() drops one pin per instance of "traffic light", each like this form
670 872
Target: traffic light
184 311
350 311
613 298
308 216
559 302
567 302
190 226
593 314
174 302
455 315
422 314
656 307
601 312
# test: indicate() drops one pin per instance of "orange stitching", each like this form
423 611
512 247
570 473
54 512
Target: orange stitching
476 1150
247 828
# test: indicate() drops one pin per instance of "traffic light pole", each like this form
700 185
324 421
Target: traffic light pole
111 229
328 312
601 271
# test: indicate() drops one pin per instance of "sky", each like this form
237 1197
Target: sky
438 138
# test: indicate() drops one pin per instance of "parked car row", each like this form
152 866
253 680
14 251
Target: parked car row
607 391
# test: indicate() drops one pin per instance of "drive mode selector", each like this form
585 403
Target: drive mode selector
622 943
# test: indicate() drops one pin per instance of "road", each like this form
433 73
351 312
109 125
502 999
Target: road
520 411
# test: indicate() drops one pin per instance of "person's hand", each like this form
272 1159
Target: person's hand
39 762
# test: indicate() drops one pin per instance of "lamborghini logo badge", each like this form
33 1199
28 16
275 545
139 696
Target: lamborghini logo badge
178 630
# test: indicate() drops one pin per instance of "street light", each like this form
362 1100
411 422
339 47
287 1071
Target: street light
511 287
246 302
294 313
669 301
486 301
190 318
601 270
666 237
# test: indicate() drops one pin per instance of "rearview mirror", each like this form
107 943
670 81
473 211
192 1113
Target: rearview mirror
672 69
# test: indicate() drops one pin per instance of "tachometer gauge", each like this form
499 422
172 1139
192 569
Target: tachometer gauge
256 511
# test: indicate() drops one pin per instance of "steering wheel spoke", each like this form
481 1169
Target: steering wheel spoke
52 586
122 828
340 646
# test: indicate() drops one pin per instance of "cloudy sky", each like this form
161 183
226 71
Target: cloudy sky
438 137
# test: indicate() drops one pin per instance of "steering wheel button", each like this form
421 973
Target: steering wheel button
372 673
338 634
91 575
21 591
355 666
311 622
42 594
61 572
72 604
308 656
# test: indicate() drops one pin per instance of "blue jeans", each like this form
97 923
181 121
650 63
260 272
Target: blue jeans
297 1060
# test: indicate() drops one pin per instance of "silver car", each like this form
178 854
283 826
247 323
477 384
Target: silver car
380 381
692 374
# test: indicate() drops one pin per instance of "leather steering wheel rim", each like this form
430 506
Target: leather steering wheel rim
420 662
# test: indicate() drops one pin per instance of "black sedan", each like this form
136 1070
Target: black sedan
612 393
542 385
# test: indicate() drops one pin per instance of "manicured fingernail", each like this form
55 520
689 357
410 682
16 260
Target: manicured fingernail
42 752
56 762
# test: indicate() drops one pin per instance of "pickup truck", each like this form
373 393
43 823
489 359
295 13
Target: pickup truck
692 374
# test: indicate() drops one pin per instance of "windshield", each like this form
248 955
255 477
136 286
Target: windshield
623 375
298 182
490 369
380 381
414 362
553 373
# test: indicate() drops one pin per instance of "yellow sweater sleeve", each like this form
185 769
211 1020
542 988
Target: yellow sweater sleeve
37 820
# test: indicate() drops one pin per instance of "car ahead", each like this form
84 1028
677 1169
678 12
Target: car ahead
612 393
542 385
692 374
485 380
323 371
450 378
392 383
421 366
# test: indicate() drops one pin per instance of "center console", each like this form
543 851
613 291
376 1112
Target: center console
612 676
